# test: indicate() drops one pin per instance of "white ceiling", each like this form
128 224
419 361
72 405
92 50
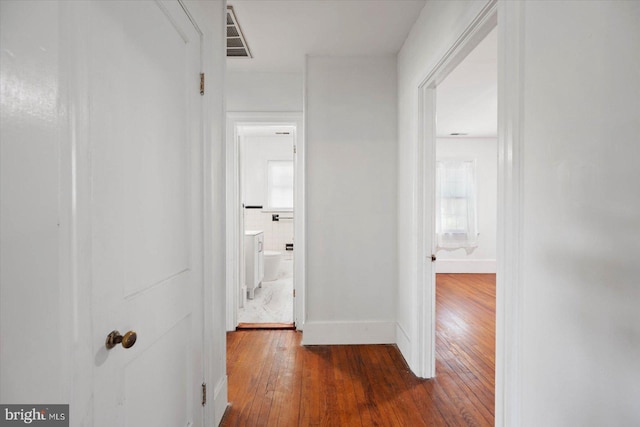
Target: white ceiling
467 100
280 33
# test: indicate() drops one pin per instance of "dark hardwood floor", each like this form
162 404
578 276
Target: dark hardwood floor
273 381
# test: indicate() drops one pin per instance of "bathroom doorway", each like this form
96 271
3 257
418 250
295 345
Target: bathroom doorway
265 239
267 198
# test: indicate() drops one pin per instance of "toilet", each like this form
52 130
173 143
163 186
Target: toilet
271 265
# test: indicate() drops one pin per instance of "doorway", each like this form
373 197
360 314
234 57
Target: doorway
265 214
509 15
485 23
466 159
465 224
268 210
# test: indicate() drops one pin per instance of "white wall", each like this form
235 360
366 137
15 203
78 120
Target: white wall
264 91
580 319
33 353
485 151
579 326
351 194
435 31
256 151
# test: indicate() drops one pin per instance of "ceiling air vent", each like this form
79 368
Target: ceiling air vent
236 44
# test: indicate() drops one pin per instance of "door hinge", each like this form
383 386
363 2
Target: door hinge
201 83
204 394
294 149
294 293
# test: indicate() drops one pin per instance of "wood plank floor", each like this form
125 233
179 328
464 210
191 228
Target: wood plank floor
273 381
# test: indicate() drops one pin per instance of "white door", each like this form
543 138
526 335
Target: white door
427 292
146 212
242 283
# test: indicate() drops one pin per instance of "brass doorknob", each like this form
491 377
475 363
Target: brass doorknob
127 341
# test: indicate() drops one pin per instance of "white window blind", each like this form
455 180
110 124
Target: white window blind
456 207
280 184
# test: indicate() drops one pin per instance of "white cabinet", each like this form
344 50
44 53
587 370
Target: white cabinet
253 260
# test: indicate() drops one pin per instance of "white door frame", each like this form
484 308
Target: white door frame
508 17
235 251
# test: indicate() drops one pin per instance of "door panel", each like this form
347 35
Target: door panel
155 197
170 387
146 218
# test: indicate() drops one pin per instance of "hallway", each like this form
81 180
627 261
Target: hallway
273 381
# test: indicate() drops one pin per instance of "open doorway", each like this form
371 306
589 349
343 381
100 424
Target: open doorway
509 202
425 227
466 164
465 221
265 212
266 154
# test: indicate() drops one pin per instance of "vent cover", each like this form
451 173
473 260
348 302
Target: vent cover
236 44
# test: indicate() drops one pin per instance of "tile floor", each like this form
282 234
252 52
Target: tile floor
273 302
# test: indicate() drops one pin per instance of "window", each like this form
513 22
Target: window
456 209
280 184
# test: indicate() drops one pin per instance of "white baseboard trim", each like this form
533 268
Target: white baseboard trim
466 266
336 333
404 343
220 400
